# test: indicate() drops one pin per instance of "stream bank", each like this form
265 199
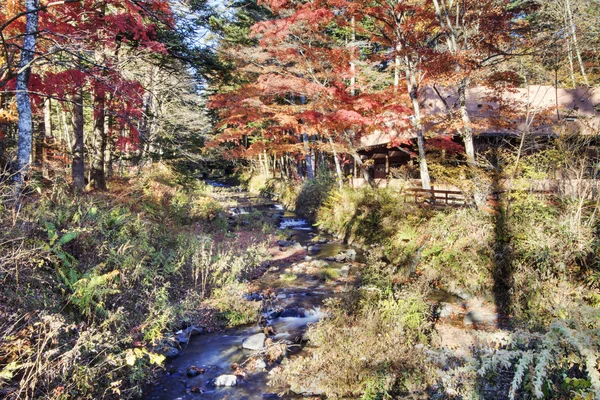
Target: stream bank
305 270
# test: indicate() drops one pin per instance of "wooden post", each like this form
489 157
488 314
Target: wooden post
387 164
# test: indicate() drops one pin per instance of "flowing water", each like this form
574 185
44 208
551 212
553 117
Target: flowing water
296 304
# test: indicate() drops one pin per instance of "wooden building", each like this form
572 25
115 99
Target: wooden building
536 111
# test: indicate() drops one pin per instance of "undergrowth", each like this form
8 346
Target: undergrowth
370 347
534 256
91 284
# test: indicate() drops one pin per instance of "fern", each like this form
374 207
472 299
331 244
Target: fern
536 356
90 291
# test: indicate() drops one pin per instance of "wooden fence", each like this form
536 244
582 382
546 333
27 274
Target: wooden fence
438 197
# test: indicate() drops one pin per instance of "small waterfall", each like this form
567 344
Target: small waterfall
295 223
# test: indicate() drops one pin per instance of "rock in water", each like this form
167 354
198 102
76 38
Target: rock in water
226 380
320 264
446 311
351 253
195 371
260 364
313 249
341 257
194 330
473 317
169 351
181 337
345 271
255 342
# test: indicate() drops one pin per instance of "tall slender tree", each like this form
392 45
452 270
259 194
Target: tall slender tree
22 87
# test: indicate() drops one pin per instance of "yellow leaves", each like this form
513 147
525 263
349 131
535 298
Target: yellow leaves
9 371
132 355
114 386
156 359
8 115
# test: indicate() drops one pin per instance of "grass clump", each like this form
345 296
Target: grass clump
365 348
329 274
288 277
233 308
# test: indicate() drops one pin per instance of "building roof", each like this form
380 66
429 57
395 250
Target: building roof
535 109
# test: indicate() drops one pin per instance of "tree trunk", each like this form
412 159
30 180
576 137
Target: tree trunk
396 73
352 63
338 168
452 43
97 172
309 163
361 166
66 134
411 85
266 163
78 164
47 133
467 129
573 30
98 178
571 66
25 124
110 148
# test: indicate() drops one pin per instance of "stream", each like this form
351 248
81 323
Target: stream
299 292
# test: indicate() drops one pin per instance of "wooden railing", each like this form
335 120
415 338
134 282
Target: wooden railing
456 198
438 197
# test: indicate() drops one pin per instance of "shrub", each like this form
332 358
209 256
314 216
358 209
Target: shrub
365 347
233 308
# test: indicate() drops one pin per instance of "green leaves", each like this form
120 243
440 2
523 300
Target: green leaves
56 241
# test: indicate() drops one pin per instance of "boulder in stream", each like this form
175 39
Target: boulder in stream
260 364
286 243
255 342
194 330
313 249
320 264
345 271
226 380
446 311
181 337
341 257
168 351
351 253
195 371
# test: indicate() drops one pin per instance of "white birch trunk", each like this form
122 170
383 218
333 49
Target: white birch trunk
25 124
